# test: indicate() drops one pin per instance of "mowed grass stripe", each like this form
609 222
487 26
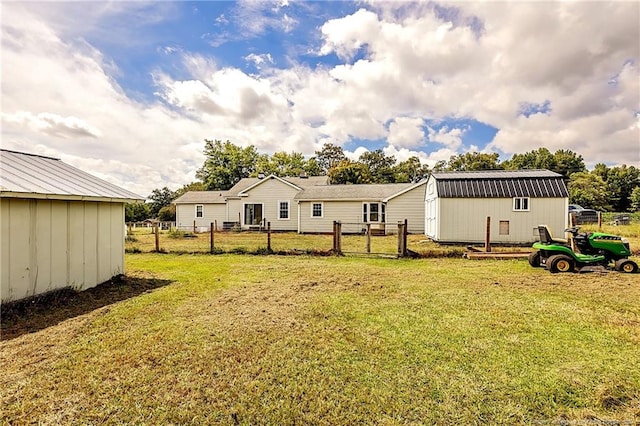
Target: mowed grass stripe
301 340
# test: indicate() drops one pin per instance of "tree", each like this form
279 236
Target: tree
193 186
160 198
411 170
167 213
136 212
226 164
635 199
471 161
621 181
348 171
380 166
540 158
568 163
588 190
329 156
312 168
281 164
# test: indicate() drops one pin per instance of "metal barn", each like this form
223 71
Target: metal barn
457 205
59 226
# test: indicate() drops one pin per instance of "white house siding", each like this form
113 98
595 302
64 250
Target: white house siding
410 206
212 213
464 219
48 245
347 212
269 193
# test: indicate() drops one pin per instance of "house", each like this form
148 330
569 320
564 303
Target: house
381 205
60 227
249 204
457 205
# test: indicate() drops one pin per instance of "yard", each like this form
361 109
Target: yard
239 339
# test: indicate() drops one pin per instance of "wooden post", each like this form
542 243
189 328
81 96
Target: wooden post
600 221
269 237
402 245
339 229
337 237
404 238
368 238
487 236
194 226
211 243
216 223
155 229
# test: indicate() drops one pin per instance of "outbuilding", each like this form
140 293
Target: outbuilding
60 226
457 205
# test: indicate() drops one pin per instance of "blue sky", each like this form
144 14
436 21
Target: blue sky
130 90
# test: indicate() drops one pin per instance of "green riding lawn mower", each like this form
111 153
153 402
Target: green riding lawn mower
588 249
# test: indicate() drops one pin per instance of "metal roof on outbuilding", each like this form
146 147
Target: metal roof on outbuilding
35 176
500 184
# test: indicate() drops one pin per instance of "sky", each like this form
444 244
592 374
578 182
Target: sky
129 91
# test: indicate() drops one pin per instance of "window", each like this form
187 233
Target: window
521 204
504 227
253 214
283 210
199 211
374 212
316 209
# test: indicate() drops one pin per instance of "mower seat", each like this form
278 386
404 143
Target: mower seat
546 238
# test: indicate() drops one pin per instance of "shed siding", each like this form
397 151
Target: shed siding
464 219
269 193
410 206
48 245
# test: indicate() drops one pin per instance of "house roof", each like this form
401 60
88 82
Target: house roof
25 175
500 184
202 197
302 183
373 192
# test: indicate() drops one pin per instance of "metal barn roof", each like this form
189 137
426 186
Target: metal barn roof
500 184
35 176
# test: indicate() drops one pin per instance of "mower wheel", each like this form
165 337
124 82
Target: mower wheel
534 259
627 266
560 263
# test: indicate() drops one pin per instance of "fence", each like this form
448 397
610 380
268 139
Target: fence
370 240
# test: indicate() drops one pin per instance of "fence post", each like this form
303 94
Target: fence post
216 223
211 244
268 237
337 237
402 251
155 229
368 238
600 221
194 226
487 236
404 238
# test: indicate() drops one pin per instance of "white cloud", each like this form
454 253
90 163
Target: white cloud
405 132
452 139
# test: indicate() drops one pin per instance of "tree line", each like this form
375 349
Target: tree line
603 188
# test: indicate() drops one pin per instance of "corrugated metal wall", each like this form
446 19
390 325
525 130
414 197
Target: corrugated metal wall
47 245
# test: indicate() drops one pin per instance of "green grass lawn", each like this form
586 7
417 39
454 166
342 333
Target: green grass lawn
234 339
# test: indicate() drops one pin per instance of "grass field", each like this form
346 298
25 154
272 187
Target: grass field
236 339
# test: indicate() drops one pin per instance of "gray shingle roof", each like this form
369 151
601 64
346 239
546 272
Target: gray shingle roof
500 184
36 176
202 197
376 192
297 181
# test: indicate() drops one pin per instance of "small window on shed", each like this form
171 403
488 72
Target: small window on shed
504 227
521 204
199 211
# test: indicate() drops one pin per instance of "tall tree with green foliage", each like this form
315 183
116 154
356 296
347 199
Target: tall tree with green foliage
160 198
621 181
281 164
226 164
589 191
136 212
348 171
563 161
411 170
567 163
635 199
380 166
472 161
329 156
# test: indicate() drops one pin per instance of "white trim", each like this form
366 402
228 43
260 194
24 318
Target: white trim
288 210
244 214
380 205
521 200
201 211
321 210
